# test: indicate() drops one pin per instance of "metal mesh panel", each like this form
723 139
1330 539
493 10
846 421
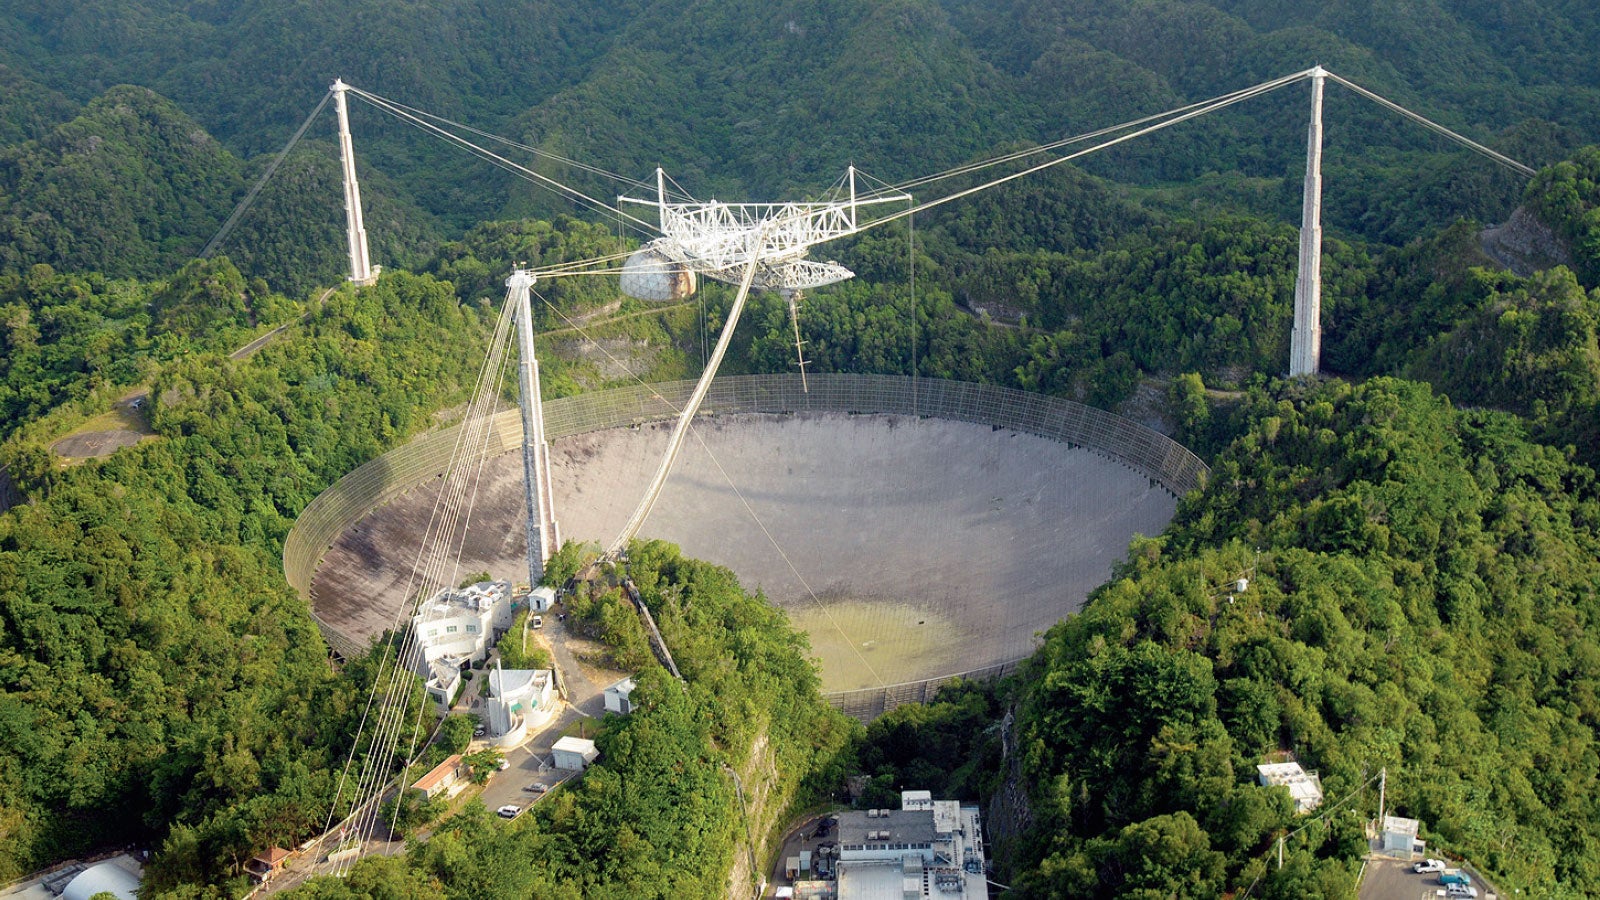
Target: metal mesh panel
1151 453
867 704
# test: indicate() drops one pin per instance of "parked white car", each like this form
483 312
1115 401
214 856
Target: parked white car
1460 890
509 811
1429 866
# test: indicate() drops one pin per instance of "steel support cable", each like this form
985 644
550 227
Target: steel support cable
466 478
771 539
911 277
487 410
1194 112
513 168
967 168
675 443
391 722
554 157
436 519
249 198
1467 142
483 153
386 731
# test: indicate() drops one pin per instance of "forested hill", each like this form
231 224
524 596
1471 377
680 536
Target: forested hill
133 187
743 99
1422 597
1425 591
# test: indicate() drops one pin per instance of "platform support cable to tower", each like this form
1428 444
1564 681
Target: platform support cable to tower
496 159
1193 111
255 189
395 108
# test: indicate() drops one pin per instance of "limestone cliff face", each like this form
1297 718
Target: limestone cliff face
9 495
765 797
1524 244
1009 815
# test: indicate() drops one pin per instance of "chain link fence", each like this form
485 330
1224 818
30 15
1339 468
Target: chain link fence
1148 452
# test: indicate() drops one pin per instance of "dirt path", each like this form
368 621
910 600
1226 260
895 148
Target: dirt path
129 425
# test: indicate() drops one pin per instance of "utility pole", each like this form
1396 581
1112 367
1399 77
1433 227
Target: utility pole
1383 786
1305 349
361 269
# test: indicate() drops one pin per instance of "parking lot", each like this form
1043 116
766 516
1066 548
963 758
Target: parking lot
1393 879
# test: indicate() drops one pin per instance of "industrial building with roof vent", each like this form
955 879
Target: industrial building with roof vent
925 849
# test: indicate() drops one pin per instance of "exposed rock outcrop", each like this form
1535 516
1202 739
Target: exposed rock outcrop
1524 244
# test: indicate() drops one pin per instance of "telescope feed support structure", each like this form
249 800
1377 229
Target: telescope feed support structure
362 271
544 537
1305 349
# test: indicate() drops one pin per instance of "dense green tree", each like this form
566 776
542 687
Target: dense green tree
153 663
130 187
1418 577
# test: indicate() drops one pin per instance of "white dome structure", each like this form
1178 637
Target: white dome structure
649 275
103 878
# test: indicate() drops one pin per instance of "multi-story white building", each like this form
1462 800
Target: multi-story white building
926 849
455 628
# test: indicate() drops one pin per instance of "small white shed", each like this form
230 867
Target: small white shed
619 697
540 599
1399 835
574 753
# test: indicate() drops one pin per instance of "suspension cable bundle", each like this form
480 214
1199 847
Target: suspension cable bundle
366 778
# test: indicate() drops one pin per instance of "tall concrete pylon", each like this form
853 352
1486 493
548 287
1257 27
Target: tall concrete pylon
1305 348
544 536
362 271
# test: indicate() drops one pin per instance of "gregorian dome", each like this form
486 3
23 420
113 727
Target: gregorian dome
650 275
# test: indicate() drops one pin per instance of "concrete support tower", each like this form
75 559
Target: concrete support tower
1305 349
544 538
361 269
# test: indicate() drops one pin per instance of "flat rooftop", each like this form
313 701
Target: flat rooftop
915 826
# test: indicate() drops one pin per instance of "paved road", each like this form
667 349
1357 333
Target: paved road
530 763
